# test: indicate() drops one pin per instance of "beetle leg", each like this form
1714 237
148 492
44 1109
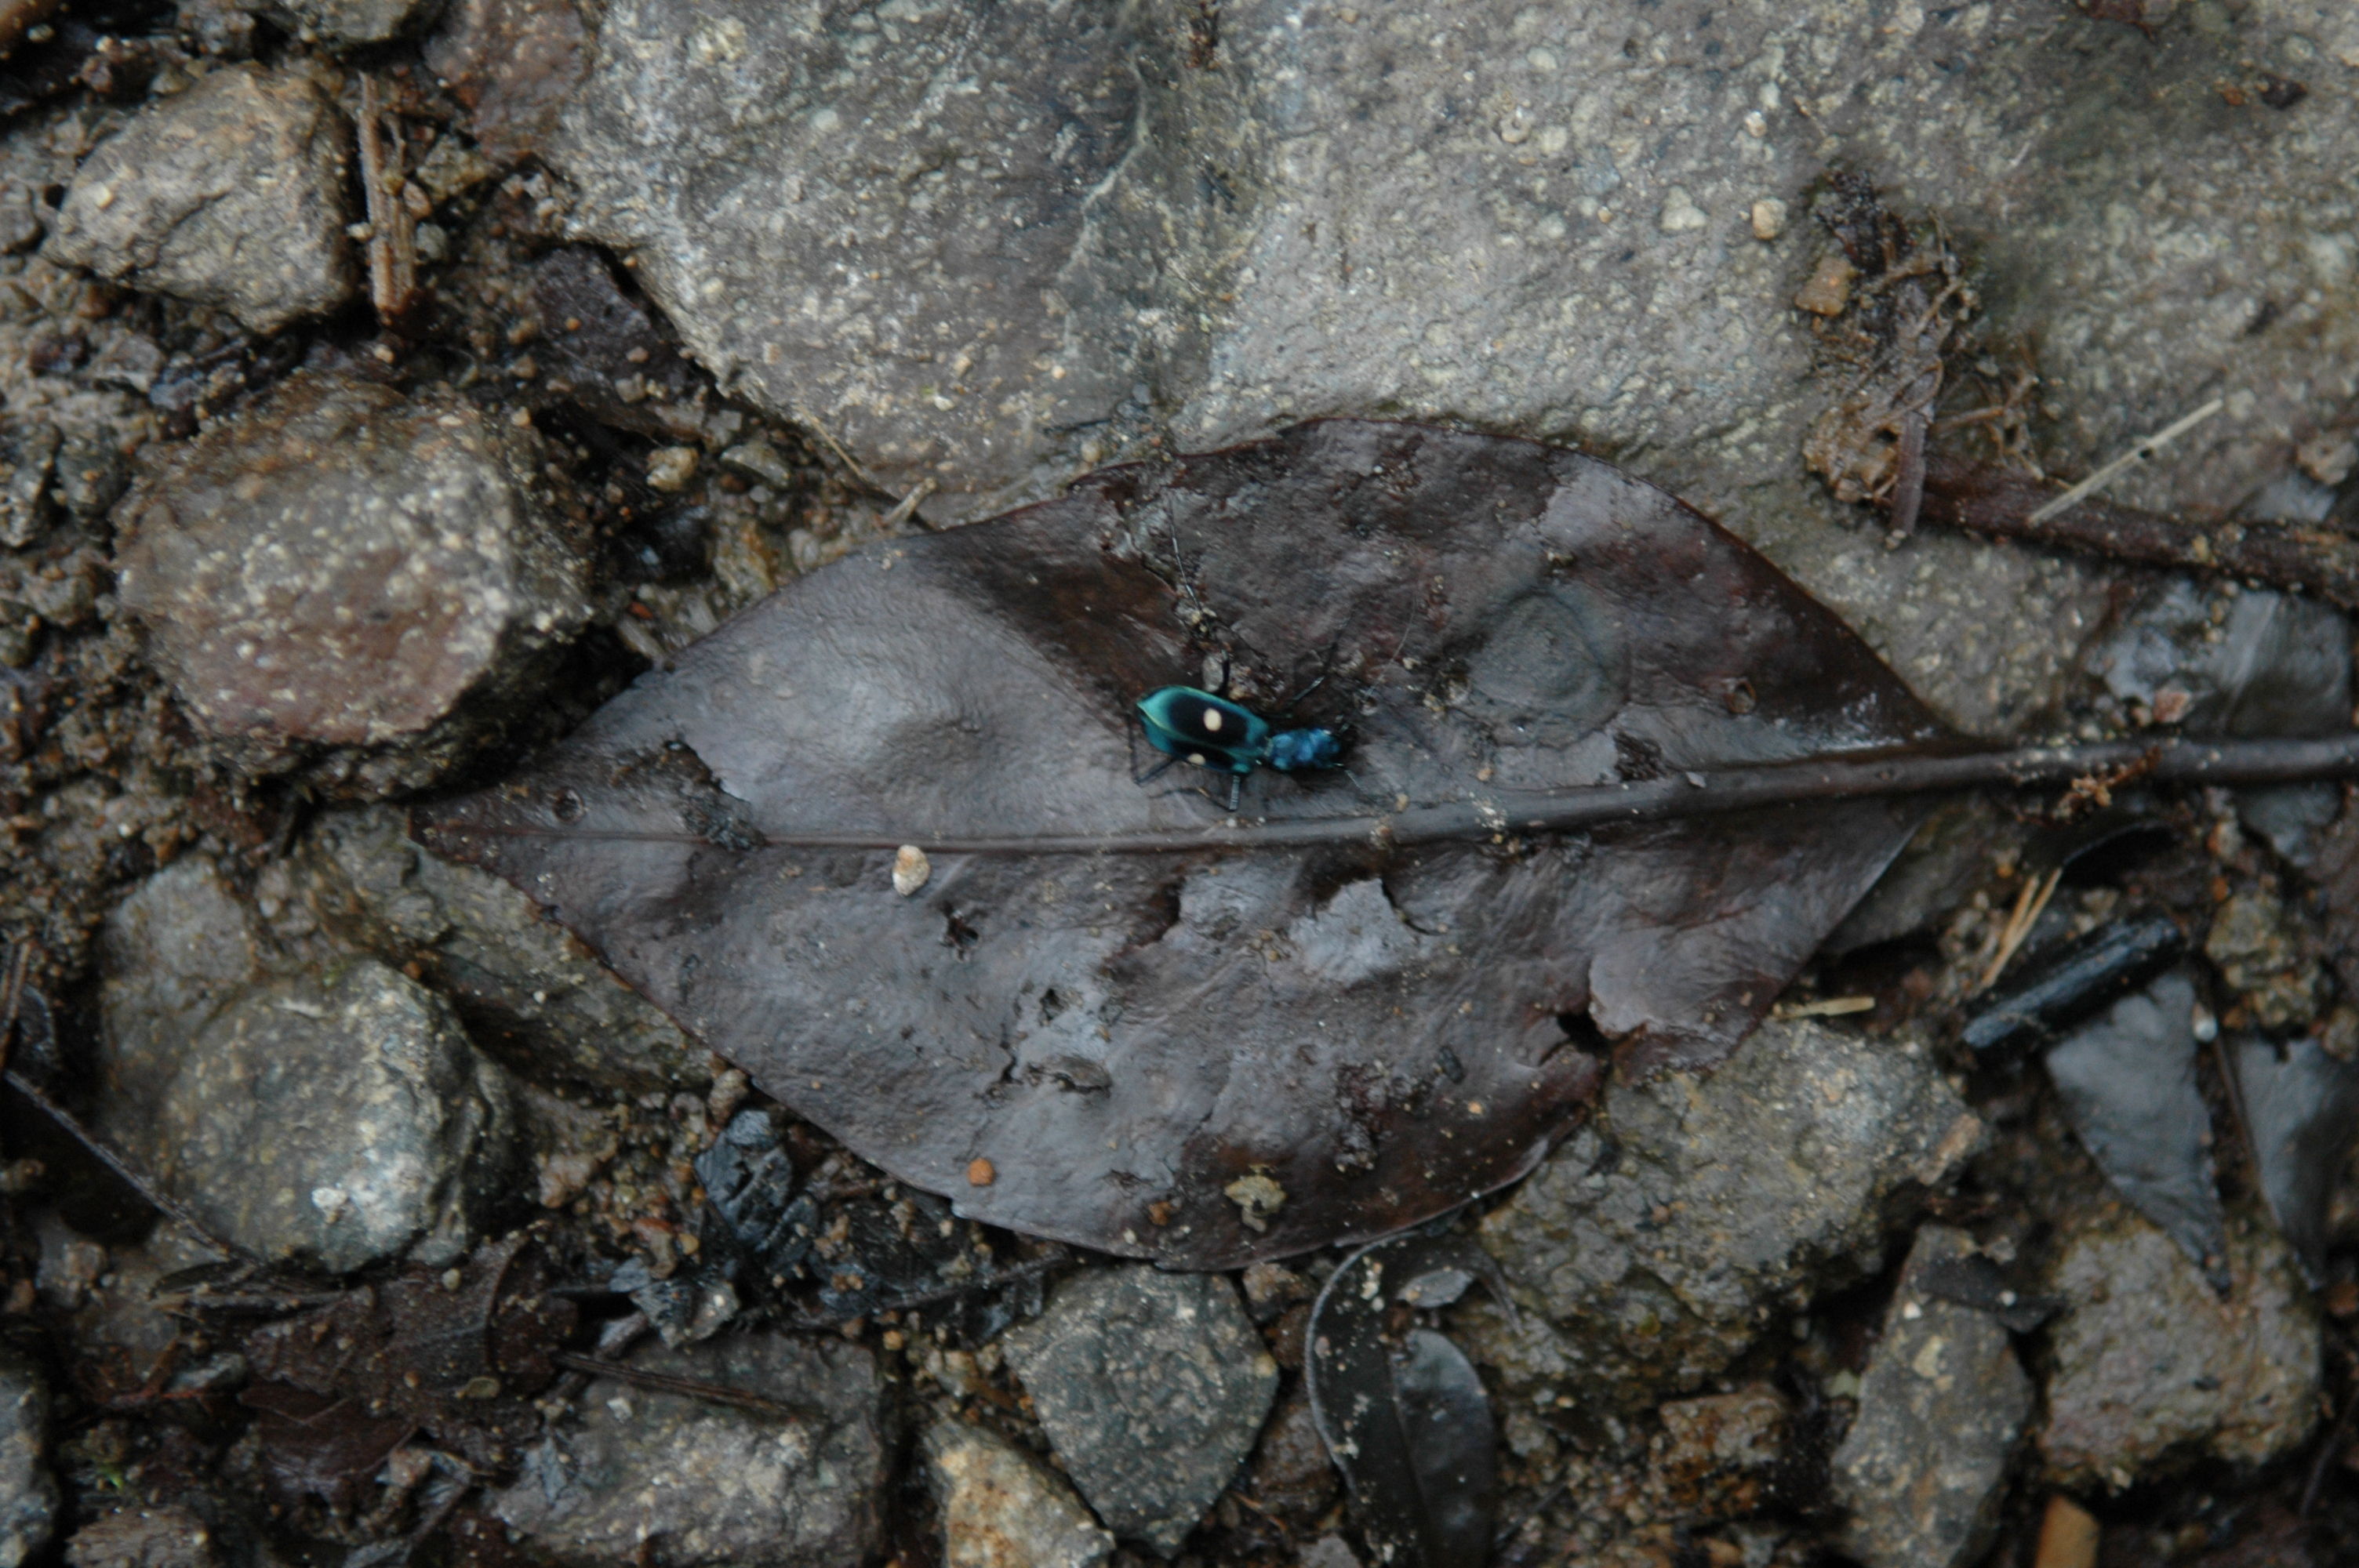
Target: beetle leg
1130 734
1236 791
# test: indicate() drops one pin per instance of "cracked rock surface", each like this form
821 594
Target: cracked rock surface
1649 1247
230 194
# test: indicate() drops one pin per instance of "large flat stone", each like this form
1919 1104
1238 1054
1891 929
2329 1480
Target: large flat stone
988 246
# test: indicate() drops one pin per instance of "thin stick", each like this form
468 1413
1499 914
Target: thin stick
2131 458
1909 494
2029 905
906 507
1825 1007
686 1387
1859 776
392 245
137 1179
1986 499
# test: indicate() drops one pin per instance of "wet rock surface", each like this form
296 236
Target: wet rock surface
346 24
1001 1508
1655 1240
1258 226
707 1484
340 1118
1152 1387
2150 1364
166 1537
349 579
1942 1407
30 1501
231 194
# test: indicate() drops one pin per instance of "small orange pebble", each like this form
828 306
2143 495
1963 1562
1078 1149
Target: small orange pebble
979 1172
640 610
1159 1212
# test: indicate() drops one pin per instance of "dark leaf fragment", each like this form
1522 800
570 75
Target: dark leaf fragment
456 1354
1360 1035
2128 1083
2301 1111
1401 1410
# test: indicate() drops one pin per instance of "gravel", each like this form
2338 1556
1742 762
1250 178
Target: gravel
230 194
28 1493
700 1484
1152 1387
350 582
1942 1407
1654 1243
1001 1508
338 1117
2150 1369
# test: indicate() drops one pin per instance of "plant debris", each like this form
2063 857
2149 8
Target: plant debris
1381 1031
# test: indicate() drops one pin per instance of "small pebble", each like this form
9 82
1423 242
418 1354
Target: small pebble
911 870
980 1172
671 467
1768 218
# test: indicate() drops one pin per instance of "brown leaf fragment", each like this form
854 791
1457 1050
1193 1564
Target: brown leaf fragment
455 1353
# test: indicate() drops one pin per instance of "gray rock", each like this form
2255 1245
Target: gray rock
1536 221
29 452
340 1118
349 24
230 194
1942 1407
699 1483
2149 1365
530 990
28 1492
1001 1509
1151 1387
2127 1079
1658 1239
349 580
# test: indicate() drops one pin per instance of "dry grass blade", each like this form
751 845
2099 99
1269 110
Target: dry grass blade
2029 905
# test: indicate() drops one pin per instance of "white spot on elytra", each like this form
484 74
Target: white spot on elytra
1212 721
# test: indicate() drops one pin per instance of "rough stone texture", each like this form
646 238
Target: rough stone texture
28 1493
338 1117
528 989
1001 1509
2150 1366
1722 1197
166 1537
694 1483
348 23
350 576
1535 219
1151 1387
1716 1454
1942 1407
230 194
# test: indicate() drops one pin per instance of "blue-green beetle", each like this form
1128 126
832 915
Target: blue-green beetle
1208 731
